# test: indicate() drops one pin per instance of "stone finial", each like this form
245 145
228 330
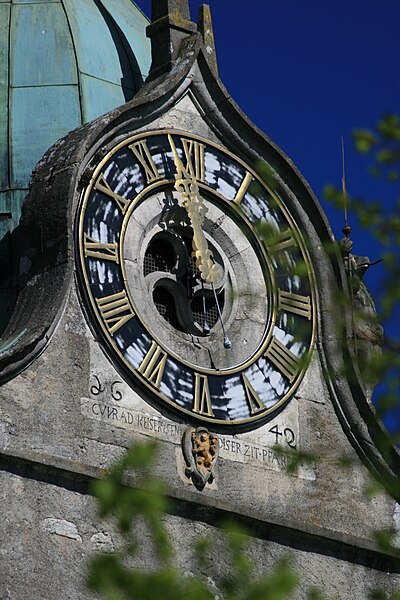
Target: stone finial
170 25
164 8
204 25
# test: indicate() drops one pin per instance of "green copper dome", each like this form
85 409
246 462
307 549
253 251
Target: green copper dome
63 63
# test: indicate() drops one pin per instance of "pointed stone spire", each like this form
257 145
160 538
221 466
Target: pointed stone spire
170 25
204 25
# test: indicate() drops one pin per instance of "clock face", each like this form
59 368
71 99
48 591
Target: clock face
196 278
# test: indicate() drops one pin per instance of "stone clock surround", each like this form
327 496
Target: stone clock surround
47 230
258 326
65 406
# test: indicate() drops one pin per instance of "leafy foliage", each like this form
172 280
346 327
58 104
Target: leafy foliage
381 220
383 143
115 575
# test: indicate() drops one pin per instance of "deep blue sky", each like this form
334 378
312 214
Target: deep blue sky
308 72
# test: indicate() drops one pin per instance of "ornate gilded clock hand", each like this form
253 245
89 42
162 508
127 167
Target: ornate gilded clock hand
188 188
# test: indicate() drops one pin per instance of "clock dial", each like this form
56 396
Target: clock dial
196 278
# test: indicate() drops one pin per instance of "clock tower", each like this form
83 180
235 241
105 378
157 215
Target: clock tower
179 281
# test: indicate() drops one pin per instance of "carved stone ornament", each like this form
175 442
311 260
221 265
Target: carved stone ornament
367 331
200 449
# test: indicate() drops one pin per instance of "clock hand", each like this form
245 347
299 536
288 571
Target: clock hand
227 341
206 327
188 188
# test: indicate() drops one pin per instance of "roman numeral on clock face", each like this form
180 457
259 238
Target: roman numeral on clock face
283 359
253 400
281 241
295 303
153 364
244 186
144 158
115 310
202 397
100 251
194 155
102 186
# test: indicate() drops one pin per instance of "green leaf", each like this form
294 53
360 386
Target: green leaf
389 127
140 456
392 175
266 174
106 493
384 539
364 140
385 155
277 585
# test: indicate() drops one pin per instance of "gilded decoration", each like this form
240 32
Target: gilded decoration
200 450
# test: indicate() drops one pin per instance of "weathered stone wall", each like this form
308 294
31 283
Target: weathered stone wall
50 529
71 412
52 414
